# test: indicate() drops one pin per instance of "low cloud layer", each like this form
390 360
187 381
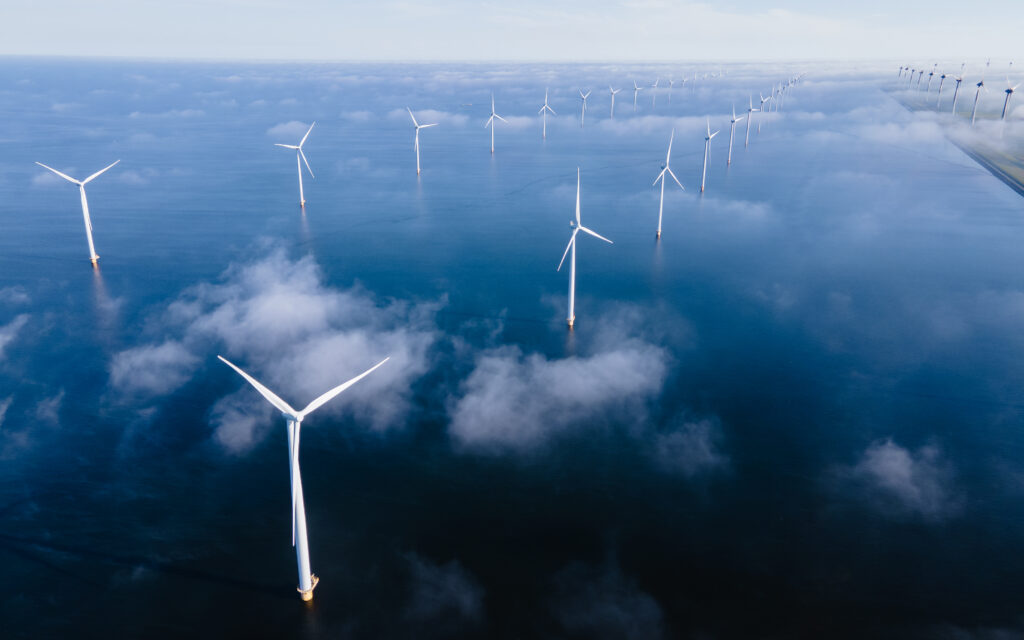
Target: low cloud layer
603 603
690 448
9 332
902 482
279 321
443 592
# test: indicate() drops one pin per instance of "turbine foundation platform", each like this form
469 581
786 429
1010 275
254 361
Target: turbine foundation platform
307 594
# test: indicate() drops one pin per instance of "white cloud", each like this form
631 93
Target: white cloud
291 131
14 295
443 592
905 482
48 409
690 449
10 330
603 603
425 116
518 402
278 320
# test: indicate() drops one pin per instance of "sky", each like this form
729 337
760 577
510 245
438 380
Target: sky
529 30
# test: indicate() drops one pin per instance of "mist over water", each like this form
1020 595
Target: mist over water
798 414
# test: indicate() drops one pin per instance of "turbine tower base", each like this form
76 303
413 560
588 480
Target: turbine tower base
307 594
571 321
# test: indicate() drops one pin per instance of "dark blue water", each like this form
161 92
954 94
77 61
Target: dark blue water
797 415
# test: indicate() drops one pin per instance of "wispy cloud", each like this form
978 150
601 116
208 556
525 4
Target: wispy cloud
291 132
690 448
443 594
594 602
9 331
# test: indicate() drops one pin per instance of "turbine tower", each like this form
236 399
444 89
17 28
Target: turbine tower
298 165
654 92
661 176
490 121
636 89
416 144
942 80
613 92
93 257
307 581
707 149
760 108
956 91
732 132
544 115
1009 92
750 116
576 228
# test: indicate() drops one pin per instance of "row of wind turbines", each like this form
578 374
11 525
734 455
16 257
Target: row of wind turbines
907 74
294 418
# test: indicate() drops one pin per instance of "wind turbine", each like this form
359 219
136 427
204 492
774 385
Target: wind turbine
416 144
956 92
931 74
1009 92
671 84
732 131
583 98
636 89
920 74
654 92
942 80
298 153
576 228
661 176
544 114
93 257
707 148
981 86
307 581
761 108
750 111
613 92
490 121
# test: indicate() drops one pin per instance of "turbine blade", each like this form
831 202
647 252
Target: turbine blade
424 126
303 141
316 404
307 163
500 118
63 175
280 404
670 139
286 146
660 176
414 123
596 234
567 247
675 178
90 178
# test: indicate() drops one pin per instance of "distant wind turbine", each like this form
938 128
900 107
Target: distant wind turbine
490 121
307 581
416 144
942 80
956 91
981 87
750 116
654 92
93 257
931 74
732 131
707 149
1009 92
661 176
298 165
576 228
671 84
613 92
544 115
761 109
583 99
636 89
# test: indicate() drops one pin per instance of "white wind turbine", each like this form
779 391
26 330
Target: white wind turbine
942 80
307 581
544 115
583 98
661 176
613 92
490 121
750 116
956 91
707 149
416 144
636 89
93 257
576 228
761 108
654 92
931 74
671 85
732 131
298 165
981 86
1009 92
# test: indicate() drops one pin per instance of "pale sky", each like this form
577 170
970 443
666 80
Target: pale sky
528 30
